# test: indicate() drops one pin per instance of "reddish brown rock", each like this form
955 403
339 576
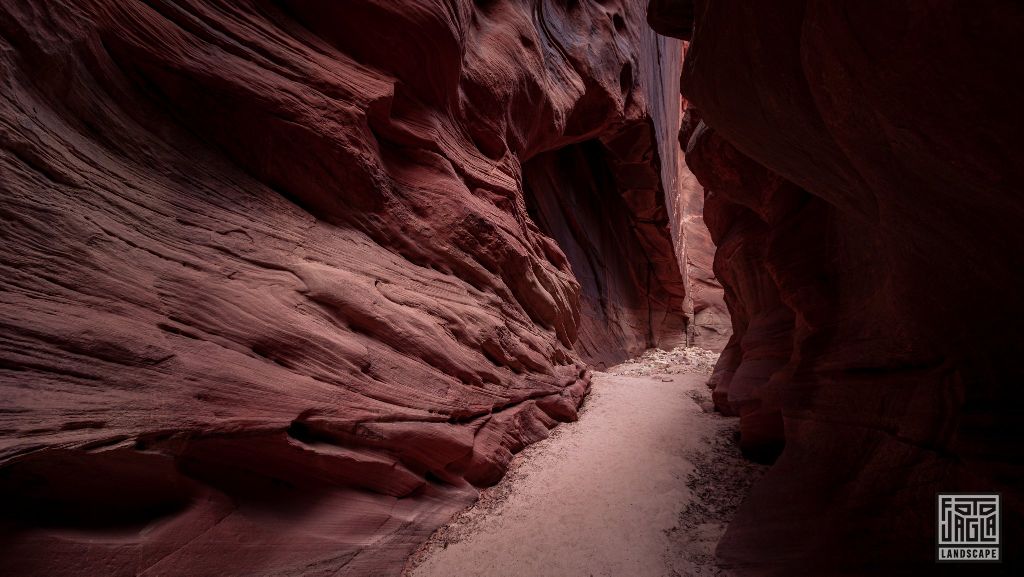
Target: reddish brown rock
744 201
710 326
863 186
272 298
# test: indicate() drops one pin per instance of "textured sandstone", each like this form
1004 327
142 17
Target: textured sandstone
710 326
863 186
708 323
272 299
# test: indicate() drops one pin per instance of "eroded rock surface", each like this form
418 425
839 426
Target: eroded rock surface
272 298
863 187
709 325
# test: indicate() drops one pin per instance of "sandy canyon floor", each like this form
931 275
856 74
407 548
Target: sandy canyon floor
642 485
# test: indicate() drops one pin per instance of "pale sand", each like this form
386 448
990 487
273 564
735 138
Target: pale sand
642 485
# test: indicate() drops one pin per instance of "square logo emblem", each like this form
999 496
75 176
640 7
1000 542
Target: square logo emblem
968 528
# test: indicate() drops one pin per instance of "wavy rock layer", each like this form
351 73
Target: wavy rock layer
272 298
863 187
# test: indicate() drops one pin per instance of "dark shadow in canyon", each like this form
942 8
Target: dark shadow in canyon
863 183
573 196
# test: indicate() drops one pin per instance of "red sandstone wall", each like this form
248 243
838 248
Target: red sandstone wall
272 301
861 162
710 325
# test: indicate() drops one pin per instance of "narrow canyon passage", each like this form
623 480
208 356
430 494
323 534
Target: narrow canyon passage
642 485
286 284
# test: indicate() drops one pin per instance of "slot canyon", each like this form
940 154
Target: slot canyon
287 285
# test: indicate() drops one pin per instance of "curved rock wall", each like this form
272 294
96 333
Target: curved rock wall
272 300
863 185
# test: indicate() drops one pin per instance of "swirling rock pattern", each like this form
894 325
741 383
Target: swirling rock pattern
863 185
272 298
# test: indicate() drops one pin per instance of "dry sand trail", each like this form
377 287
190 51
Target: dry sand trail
642 485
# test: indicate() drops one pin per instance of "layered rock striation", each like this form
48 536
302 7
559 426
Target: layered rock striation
863 187
284 281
